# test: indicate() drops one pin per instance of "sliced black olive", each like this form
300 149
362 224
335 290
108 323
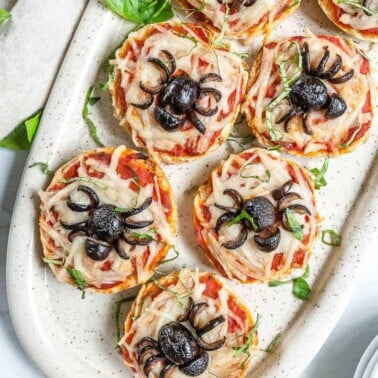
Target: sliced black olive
262 211
284 201
144 105
77 206
336 106
212 92
306 58
96 249
172 61
300 209
177 343
81 226
167 371
168 121
151 90
180 93
210 325
120 245
145 342
309 92
293 112
197 366
268 240
137 225
333 70
197 122
248 3
93 198
278 193
106 223
238 241
205 112
147 353
74 234
152 362
306 126
225 218
161 67
210 77
228 209
342 79
235 195
196 310
185 316
322 63
211 346
137 210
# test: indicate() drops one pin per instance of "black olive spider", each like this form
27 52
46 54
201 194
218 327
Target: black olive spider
309 92
106 228
178 96
177 347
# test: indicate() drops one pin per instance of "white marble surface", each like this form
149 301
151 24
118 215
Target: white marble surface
359 324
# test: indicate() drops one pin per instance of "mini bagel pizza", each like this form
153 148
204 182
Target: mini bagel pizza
358 18
107 219
176 94
241 18
255 217
188 324
310 96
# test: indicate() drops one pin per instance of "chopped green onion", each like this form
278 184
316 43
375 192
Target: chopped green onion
331 238
320 180
79 280
294 224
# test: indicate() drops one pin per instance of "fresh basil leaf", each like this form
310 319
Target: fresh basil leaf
79 280
330 237
4 15
294 224
118 313
141 11
52 261
277 283
301 289
21 137
44 167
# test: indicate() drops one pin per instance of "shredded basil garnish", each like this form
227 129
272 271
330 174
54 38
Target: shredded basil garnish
330 237
273 344
245 347
243 215
177 254
89 100
79 280
52 261
264 180
357 5
44 167
320 180
22 136
85 179
294 224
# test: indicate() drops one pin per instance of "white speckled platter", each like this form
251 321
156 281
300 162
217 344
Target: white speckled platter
70 337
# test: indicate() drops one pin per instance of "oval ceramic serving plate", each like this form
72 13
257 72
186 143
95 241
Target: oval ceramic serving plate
70 337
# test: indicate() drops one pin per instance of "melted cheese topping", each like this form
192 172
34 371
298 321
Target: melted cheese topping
111 189
328 134
194 59
244 19
356 17
152 314
248 262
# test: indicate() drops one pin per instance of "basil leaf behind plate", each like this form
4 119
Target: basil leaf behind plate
21 137
4 15
141 11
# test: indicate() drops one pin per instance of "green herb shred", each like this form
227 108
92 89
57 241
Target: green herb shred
4 15
273 344
79 280
118 313
294 224
330 237
320 180
44 167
